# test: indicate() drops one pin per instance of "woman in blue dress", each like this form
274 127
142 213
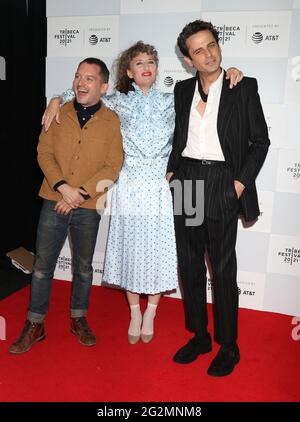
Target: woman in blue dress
141 250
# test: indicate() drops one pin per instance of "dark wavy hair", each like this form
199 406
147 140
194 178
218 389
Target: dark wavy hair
191 29
123 82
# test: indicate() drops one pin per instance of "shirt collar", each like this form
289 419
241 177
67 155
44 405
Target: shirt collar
139 90
87 110
214 88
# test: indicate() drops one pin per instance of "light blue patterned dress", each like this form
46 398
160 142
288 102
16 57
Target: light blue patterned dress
141 250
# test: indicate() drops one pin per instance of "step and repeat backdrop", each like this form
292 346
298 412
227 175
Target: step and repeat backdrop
260 37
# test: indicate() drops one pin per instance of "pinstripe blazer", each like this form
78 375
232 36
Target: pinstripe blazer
242 131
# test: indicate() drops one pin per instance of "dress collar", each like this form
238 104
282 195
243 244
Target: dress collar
140 91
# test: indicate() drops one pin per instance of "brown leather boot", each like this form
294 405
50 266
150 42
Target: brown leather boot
82 331
32 333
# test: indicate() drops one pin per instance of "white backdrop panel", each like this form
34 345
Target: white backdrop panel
82 8
273 115
266 180
282 294
253 256
284 255
290 119
88 35
294 49
286 214
221 5
266 71
159 6
252 34
288 174
292 93
160 30
264 221
171 70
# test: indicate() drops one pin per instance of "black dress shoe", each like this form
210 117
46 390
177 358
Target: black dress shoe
225 361
193 349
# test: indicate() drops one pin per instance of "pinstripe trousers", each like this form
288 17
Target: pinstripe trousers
216 236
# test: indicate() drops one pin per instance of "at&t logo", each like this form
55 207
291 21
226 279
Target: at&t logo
258 37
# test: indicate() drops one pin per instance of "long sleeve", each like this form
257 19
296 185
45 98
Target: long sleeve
259 140
67 96
46 158
111 101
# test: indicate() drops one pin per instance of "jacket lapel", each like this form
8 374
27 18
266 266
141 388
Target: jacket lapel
225 106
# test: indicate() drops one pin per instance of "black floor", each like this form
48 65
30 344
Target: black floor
11 279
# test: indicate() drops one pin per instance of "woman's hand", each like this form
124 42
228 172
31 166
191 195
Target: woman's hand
51 111
235 75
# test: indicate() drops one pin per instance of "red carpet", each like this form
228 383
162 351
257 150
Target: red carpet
60 369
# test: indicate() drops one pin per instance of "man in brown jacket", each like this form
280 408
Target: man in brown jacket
75 155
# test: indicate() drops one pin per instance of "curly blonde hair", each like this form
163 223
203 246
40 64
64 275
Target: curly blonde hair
123 82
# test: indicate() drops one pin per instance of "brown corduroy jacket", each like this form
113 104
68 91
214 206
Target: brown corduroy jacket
82 157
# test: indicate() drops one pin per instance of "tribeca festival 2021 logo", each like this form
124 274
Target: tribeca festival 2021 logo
290 256
64 263
294 170
66 36
227 32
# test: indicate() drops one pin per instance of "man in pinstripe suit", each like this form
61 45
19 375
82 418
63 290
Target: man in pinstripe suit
221 137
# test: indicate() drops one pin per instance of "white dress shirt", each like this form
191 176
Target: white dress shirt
203 141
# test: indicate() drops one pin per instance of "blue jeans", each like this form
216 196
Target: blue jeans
82 225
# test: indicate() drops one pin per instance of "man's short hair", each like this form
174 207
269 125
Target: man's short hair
103 70
191 29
